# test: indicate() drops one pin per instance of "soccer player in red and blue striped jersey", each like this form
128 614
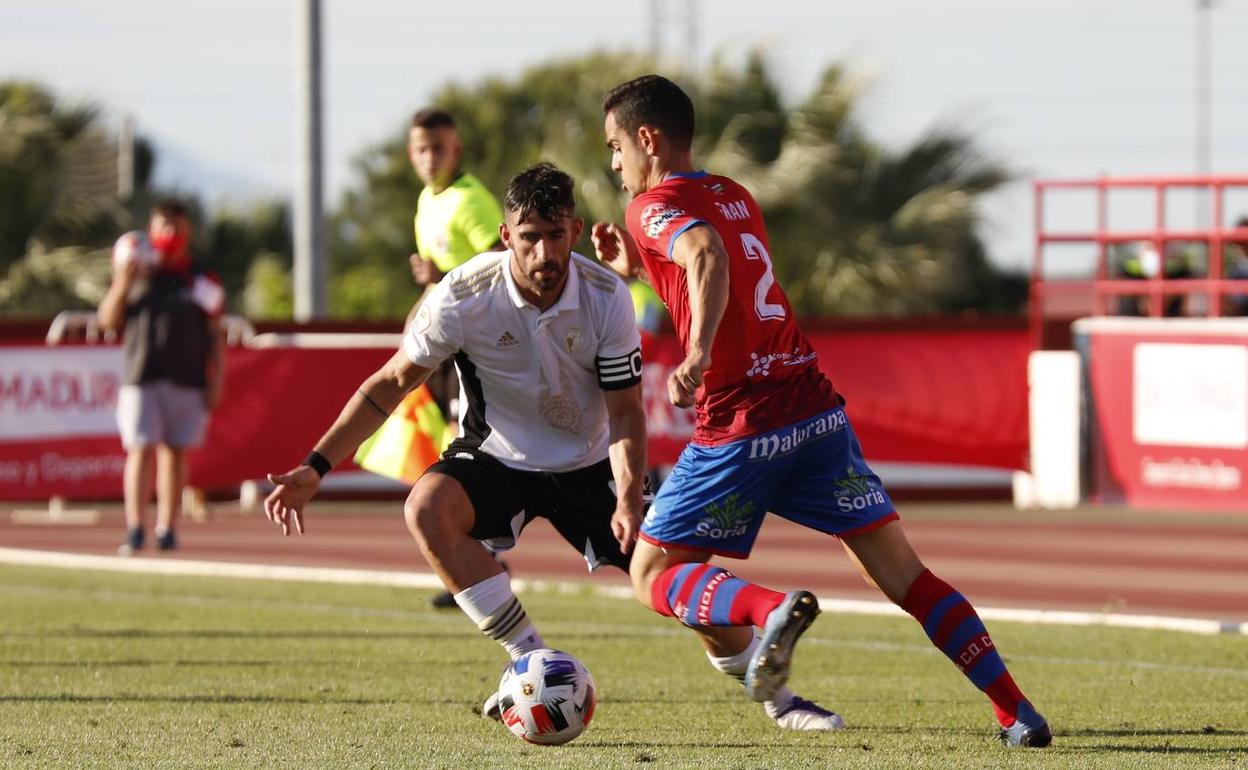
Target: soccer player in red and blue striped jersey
771 432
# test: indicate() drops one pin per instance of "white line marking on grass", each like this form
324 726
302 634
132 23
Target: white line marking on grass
419 580
187 567
927 649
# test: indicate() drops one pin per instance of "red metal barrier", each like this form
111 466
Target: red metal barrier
943 394
1101 286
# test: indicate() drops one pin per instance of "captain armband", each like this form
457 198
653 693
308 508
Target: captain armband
619 372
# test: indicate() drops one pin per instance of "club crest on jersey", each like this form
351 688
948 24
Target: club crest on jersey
423 320
656 217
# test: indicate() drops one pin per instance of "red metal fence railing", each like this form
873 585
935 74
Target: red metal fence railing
1102 286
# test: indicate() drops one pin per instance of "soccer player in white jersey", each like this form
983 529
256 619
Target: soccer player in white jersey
549 362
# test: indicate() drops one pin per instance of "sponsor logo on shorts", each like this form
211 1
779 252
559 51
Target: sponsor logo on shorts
779 443
856 493
657 216
726 518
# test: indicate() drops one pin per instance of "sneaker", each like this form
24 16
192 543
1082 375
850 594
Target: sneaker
443 601
801 714
1029 729
133 542
491 708
769 668
166 540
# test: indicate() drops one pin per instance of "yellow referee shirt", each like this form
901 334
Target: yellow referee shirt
456 224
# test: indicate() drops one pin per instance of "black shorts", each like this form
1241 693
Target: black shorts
579 503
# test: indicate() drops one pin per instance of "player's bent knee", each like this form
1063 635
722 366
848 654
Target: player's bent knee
437 508
646 565
419 515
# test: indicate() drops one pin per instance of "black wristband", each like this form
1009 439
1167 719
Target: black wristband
317 462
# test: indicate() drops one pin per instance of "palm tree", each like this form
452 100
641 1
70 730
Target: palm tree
855 228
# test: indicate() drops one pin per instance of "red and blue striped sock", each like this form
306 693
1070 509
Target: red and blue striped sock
701 595
955 628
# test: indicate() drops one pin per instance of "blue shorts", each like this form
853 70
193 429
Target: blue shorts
811 472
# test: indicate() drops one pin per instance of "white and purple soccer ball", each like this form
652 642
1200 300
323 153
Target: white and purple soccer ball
134 246
546 697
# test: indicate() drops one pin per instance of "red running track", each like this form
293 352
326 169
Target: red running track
1092 559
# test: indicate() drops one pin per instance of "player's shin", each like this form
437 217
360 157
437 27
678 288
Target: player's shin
955 628
700 595
498 613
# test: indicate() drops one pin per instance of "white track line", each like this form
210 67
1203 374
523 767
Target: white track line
35 558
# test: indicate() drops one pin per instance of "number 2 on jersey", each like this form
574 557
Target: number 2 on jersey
754 249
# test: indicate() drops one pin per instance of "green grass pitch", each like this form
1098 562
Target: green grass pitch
104 670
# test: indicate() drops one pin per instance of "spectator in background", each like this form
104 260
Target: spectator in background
1146 263
1237 268
168 310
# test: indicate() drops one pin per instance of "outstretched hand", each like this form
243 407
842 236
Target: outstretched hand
293 490
615 249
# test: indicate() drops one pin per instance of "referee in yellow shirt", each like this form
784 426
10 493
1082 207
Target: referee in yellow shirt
456 219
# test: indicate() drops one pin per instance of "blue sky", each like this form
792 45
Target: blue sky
1054 88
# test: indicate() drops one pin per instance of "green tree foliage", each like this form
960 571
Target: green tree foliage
234 239
855 227
60 212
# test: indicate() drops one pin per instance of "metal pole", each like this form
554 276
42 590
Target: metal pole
310 262
656 31
1204 105
691 35
125 159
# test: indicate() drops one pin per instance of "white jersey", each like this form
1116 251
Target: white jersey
530 382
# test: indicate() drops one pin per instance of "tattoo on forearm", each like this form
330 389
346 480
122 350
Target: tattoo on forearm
373 403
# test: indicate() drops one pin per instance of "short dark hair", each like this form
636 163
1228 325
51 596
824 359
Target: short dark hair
169 208
543 190
652 100
433 117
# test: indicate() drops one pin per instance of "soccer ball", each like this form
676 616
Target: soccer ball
546 697
134 246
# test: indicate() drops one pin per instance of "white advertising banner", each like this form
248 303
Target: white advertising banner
49 393
1191 395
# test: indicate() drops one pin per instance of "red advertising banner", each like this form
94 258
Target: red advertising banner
948 396
1171 411
952 396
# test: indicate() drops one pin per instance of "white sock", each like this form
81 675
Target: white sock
735 666
497 612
